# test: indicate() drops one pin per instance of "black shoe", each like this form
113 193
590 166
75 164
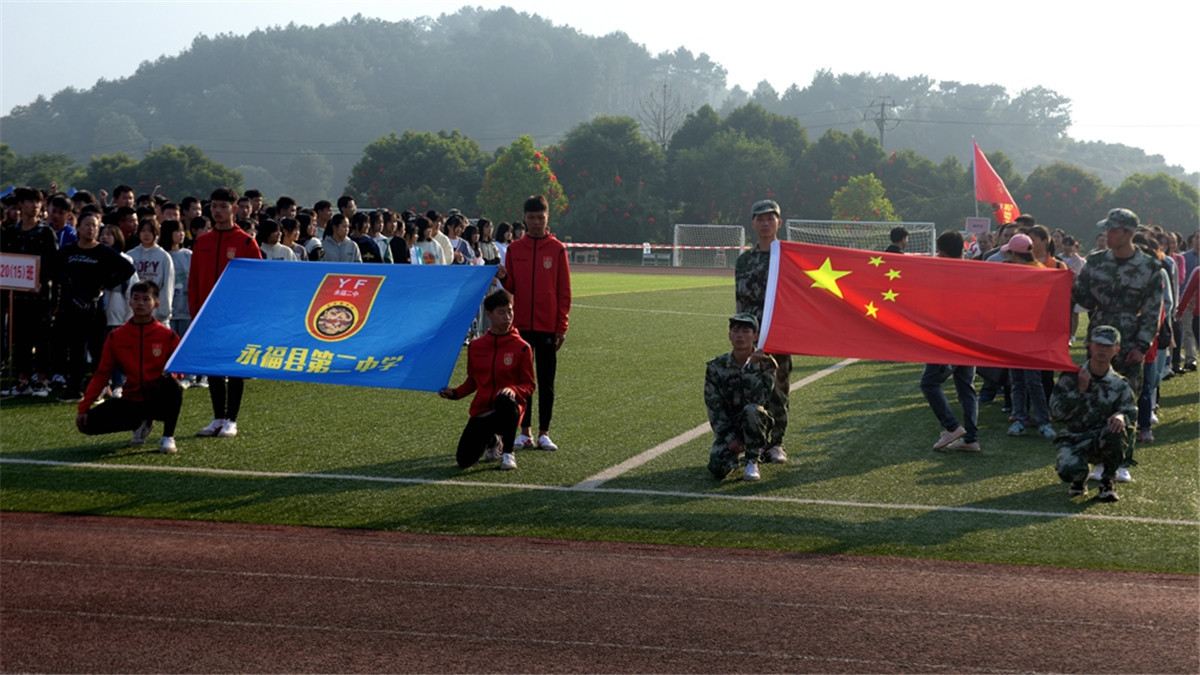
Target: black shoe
1078 487
1190 365
1107 492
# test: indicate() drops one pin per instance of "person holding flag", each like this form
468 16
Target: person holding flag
500 372
738 387
750 288
1123 288
140 348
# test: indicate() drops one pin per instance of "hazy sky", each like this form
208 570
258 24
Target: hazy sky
1130 70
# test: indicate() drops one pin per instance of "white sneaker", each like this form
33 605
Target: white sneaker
751 472
141 433
493 451
523 442
508 462
184 383
1097 472
201 382
545 443
776 455
1123 475
229 430
167 445
213 428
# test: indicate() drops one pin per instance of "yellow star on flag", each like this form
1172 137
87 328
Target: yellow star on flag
875 260
872 310
890 295
893 274
826 277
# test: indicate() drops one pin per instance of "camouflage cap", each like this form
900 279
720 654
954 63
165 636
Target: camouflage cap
1106 335
766 206
746 318
1119 218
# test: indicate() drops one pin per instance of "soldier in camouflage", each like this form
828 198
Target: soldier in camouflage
750 293
1122 287
737 387
1100 411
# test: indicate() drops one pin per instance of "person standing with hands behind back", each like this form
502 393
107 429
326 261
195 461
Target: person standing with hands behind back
536 272
210 254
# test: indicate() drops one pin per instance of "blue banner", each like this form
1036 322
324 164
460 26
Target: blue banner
393 326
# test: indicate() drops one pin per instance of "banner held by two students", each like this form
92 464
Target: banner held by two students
850 303
391 326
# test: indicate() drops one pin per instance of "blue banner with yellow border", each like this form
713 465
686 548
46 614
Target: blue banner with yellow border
392 326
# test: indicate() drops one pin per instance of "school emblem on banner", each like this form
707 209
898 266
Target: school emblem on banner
341 306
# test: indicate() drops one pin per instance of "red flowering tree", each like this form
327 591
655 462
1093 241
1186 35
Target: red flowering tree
1159 200
520 170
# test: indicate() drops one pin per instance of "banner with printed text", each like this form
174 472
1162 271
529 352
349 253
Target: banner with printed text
392 326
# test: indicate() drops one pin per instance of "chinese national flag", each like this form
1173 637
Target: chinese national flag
849 303
989 188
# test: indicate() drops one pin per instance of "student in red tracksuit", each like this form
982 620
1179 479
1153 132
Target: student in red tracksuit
141 348
537 274
211 252
500 372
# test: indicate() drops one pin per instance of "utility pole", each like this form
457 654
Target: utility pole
881 119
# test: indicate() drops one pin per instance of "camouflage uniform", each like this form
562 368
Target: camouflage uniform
735 397
1087 438
1128 295
750 292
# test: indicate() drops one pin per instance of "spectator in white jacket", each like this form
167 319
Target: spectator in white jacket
152 263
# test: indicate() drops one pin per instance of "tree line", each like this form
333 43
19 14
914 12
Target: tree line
292 107
607 182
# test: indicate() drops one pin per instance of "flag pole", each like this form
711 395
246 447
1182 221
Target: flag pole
974 175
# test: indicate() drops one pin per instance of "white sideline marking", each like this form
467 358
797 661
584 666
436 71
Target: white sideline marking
637 460
602 490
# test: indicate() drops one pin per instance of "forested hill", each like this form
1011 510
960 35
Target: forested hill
279 101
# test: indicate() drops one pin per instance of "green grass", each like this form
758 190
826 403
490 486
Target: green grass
862 479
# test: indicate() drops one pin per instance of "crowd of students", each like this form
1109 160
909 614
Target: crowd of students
92 249
94 252
1170 352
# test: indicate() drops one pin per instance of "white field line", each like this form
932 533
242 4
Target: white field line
599 479
602 490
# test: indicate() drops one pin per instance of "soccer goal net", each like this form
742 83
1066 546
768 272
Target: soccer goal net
865 235
708 245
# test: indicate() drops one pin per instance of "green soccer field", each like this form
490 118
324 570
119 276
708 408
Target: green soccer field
631 423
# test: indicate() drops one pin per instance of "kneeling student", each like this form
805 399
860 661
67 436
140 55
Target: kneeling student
1100 411
737 387
141 348
500 372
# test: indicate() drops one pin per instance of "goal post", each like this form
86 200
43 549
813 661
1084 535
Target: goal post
711 246
865 235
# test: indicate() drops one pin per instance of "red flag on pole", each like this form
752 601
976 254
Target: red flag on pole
989 188
849 303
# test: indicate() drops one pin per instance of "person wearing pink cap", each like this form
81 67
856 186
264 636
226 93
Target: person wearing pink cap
1028 396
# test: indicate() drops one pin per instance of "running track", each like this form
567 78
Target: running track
92 594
